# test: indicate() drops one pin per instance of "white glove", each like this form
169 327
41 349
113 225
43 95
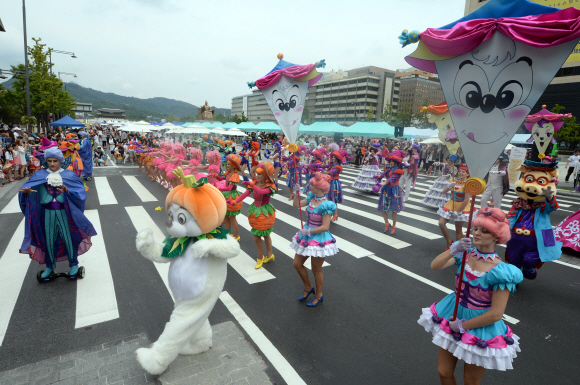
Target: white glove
296 189
548 192
305 232
451 185
464 244
457 325
144 240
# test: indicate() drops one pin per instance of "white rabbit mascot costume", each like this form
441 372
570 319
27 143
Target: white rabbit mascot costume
197 249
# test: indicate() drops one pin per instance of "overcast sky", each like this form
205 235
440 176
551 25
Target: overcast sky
207 50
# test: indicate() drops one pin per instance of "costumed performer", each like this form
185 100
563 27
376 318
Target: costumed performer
335 192
314 240
435 197
497 185
294 175
261 213
391 196
197 250
409 177
53 204
230 192
244 158
253 154
533 241
366 178
478 335
86 154
316 157
275 157
457 208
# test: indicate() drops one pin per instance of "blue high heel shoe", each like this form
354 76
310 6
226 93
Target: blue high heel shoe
307 295
317 303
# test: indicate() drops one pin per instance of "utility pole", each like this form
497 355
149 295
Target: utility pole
26 61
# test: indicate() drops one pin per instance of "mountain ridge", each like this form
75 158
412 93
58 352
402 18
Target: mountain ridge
135 108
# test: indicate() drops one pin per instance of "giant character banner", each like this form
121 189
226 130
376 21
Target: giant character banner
284 89
494 64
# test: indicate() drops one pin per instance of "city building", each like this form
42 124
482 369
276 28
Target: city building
82 109
111 114
418 89
565 87
340 96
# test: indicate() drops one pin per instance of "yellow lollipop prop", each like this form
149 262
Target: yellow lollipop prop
475 186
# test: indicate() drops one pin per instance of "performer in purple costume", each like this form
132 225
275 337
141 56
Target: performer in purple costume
53 202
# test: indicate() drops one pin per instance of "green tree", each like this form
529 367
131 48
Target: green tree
240 120
420 118
405 115
370 114
187 119
171 118
306 118
46 91
570 131
222 118
388 115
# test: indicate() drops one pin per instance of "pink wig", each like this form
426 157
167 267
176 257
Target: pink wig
179 149
322 181
494 221
213 169
213 157
333 147
196 154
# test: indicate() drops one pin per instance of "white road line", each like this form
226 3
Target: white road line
104 191
245 266
139 189
12 207
141 221
279 243
343 245
14 265
567 264
111 162
287 372
96 299
508 318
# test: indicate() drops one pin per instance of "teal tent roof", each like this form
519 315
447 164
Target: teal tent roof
370 129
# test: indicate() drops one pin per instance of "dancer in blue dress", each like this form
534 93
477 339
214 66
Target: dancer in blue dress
294 175
478 336
275 157
335 193
314 240
391 194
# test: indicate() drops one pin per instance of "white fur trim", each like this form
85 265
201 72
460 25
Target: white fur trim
148 248
218 248
488 358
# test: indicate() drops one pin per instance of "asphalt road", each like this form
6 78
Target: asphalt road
365 331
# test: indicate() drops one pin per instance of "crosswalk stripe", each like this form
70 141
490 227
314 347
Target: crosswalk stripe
12 207
344 245
279 243
142 220
244 265
139 189
96 299
14 265
104 191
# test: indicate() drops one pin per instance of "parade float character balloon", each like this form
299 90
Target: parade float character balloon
439 114
197 250
86 154
284 89
543 125
56 229
493 65
533 241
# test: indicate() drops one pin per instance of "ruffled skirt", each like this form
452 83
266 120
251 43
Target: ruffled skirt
318 245
435 197
463 217
469 348
568 231
365 179
335 192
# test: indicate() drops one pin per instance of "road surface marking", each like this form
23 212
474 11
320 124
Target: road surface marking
104 191
245 266
12 207
287 372
14 265
139 189
96 299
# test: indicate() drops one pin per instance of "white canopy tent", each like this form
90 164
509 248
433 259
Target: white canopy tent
218 131
140 126
432 140
193 129
234 132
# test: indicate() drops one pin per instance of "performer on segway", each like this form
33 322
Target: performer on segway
56 229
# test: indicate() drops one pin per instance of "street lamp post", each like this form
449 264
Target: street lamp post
65 73
26 60
50 51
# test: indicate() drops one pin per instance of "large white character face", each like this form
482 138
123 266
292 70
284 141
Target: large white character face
180 223
286 100
492 89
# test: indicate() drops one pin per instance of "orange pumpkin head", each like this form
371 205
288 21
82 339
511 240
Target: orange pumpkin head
205 202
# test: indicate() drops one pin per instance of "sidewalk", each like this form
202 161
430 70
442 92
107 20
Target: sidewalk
231 360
